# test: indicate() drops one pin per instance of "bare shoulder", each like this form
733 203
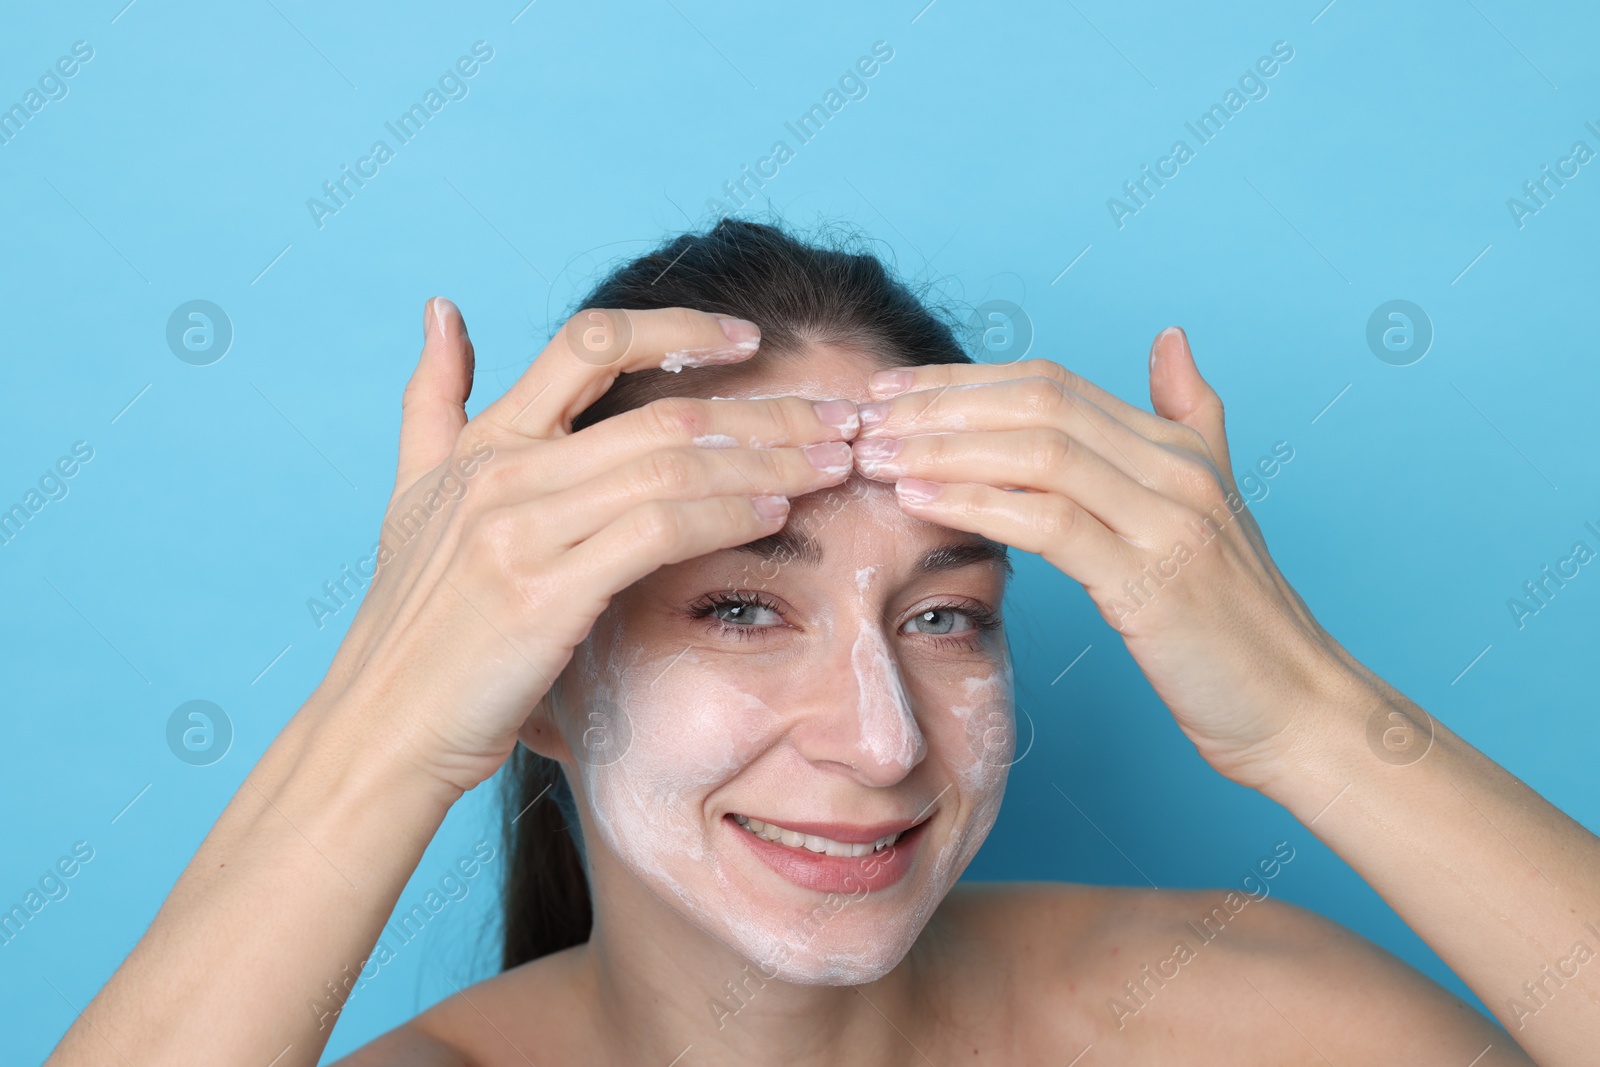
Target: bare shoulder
1359 1000
406 1045
528 1015
1215 975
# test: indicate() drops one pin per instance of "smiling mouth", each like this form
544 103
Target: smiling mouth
779 835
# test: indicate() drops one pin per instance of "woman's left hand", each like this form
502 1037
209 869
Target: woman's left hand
1143 511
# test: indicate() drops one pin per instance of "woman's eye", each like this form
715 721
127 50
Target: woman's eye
739 613
940 621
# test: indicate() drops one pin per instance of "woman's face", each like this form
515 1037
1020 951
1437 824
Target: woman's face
800 744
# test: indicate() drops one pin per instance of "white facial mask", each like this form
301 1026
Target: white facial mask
694 736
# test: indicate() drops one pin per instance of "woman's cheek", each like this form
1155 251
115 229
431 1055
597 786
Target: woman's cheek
688 731
697 729
986 709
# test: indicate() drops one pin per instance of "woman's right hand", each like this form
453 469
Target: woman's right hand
508 534
506 537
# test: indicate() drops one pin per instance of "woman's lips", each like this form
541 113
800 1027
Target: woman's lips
848 875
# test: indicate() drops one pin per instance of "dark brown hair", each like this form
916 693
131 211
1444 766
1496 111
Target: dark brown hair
800 293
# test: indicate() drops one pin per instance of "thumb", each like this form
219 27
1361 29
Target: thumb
433 407
1179 394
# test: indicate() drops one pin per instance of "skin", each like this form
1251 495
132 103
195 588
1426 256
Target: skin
422 703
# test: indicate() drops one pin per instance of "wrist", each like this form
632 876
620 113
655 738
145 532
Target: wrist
1345 727
348 747
409 734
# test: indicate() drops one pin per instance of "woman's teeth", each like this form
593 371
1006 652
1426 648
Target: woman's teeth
811 842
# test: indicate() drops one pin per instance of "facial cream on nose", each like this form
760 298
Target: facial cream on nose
889 732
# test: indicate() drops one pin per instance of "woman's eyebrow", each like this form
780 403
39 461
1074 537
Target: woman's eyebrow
965 553
797 546
785 546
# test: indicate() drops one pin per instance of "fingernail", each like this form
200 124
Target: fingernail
771 508
441 308
872 414
840 414
875 450
1161 337
829 456
917 491
739 331
889 382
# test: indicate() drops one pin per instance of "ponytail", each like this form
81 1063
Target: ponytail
546 890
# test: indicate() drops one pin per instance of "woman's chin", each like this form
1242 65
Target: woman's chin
809 936
840 970
790 933
857 952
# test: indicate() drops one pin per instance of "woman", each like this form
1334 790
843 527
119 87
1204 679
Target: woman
754 607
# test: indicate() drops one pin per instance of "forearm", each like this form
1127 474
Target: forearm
290 888
1499 882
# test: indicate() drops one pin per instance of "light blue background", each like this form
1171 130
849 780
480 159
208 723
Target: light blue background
179 165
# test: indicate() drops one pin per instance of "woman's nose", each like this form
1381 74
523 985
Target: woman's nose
861 718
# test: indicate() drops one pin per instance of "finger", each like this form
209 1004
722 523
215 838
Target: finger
887 383
1013 403
675 422
1178 393
1046 524
433 406
597 345
657 533
1042 459
578 513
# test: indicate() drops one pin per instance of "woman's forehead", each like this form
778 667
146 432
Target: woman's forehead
856 525
859 514
819 372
